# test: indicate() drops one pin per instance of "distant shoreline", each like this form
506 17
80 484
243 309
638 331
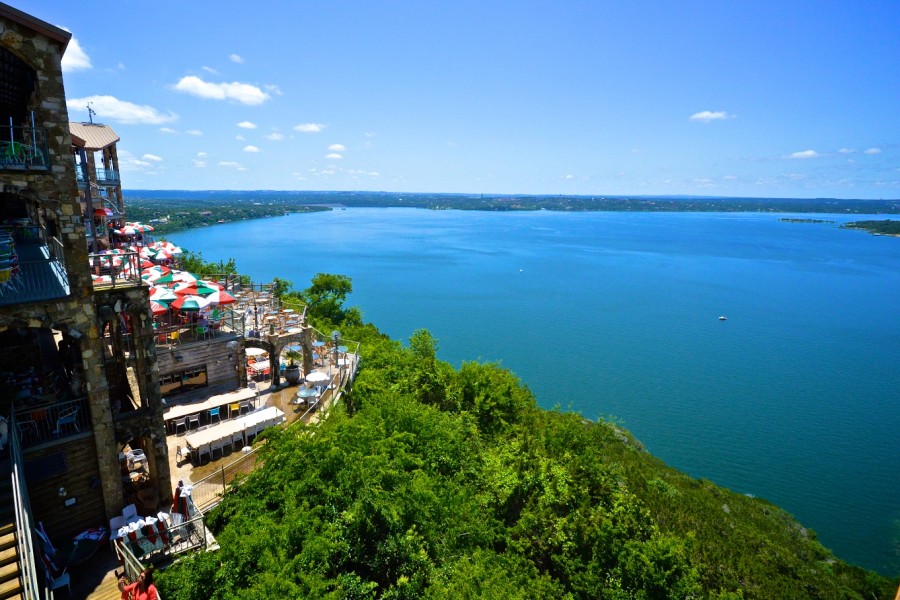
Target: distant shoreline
174 210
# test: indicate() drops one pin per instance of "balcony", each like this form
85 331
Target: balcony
104 177
37 273
115 269
39 423
26 150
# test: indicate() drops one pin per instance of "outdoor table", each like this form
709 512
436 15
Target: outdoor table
265 417
183 410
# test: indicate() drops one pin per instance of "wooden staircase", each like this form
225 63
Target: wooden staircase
10 581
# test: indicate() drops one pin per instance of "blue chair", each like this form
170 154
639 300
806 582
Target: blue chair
214 412
66 417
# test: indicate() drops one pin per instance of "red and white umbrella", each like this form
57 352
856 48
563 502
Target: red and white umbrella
190 303
157 308
220 297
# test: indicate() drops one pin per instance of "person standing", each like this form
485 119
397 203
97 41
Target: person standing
142 589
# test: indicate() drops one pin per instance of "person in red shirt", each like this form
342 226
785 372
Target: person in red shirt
142 589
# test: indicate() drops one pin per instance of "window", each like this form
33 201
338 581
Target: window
182 381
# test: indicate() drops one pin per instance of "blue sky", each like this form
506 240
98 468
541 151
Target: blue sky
765 99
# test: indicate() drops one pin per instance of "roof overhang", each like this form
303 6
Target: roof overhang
51 31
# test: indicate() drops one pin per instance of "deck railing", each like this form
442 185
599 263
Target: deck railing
208 492
24 148
40 424
22 506
115 270
101 176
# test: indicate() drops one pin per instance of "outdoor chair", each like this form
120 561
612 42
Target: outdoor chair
194 418
215 413
245 404
136 459
234 408
115 524
182 422
129 513
217 445
201 331
61 580
204 449
66 417
181 454
237 441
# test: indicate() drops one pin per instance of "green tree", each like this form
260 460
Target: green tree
326 296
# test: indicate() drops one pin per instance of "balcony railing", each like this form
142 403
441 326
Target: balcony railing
38 273
101 176
39 424
24 148
115 270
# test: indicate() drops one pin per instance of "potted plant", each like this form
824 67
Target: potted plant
292 370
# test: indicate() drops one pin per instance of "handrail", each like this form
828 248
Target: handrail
128 272
27 569
26 148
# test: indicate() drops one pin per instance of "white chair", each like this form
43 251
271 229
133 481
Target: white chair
181 454
129 513
136 459
216 445
58 582
195 418
115 524
237 441
204 449
182 422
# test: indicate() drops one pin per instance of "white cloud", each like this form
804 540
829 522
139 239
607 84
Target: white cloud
201 154
309 127
152 157
334 156
370 134
337 147
194 132
239 138
273 89
804 154
242 93
246 125
110 108
729 177
872 151
200 164
210 70
75 58
253 149
846 150
706 116
236 58
232 165
167 130
275 136
568 176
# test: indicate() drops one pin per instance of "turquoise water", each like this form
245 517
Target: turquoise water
793 398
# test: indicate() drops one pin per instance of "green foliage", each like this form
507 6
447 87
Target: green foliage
326 296
454 484
195 263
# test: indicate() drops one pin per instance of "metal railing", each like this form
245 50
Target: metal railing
25 148
38 425
101 176
208 492
24 541
230 323
115 270
37 274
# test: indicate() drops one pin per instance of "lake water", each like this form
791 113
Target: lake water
794 398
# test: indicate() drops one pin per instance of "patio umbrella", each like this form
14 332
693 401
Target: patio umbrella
103 211
167 278
190 303
162 295
255 351
219 297
157 308
127 230
317 377
186 276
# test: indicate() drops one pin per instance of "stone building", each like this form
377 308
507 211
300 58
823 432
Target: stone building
78 373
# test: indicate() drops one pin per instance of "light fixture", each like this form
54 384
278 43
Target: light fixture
61 492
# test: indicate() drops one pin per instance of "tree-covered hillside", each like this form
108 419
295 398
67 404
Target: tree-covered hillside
432 482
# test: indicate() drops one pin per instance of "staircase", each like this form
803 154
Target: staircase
10 581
